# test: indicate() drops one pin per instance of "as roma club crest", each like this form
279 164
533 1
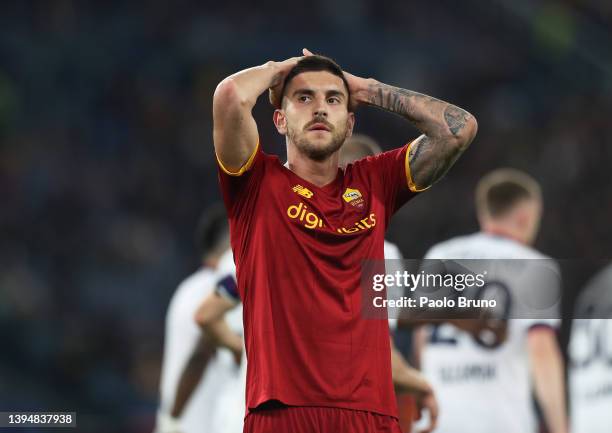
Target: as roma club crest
353 197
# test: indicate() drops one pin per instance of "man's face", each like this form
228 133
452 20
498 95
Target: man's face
315 115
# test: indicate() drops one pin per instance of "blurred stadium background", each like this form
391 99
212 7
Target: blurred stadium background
106 156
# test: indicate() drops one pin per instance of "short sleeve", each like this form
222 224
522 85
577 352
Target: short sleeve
226 278
393 170
238 186
228 289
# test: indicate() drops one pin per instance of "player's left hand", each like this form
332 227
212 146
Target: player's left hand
427 401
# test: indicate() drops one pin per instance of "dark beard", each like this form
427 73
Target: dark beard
319 154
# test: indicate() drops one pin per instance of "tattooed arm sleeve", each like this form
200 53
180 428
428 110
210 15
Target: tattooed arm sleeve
447 130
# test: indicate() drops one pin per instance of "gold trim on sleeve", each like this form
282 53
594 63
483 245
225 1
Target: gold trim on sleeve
411 185
242 169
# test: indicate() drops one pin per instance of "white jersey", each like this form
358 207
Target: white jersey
393 253
230 409
182 336
482 389
590 355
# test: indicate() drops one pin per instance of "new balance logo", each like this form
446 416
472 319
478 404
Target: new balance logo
303 191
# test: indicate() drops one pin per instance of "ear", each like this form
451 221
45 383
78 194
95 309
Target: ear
280 121
350 124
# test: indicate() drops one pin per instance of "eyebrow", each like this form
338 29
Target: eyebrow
311 92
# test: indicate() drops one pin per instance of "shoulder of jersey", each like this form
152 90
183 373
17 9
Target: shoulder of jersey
480 244
451 248
355 165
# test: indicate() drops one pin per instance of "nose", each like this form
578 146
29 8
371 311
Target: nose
320 111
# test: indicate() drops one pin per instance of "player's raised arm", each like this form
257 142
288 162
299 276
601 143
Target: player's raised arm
447 129
235 131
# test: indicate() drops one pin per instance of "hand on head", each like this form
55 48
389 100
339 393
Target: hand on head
274 93
355 84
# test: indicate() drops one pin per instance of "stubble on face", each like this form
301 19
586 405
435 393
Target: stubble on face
318 151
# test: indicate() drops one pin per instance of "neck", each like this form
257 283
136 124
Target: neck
504 231
319 173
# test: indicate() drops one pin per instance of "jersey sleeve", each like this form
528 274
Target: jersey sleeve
226 286
228 289
393 170
238 187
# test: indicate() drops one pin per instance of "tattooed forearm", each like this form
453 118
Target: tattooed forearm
399 101
432 116
447 130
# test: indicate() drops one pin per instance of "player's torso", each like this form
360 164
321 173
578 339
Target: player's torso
312 239
298 256
341 213
469 373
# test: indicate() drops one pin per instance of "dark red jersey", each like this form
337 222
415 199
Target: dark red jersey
298 250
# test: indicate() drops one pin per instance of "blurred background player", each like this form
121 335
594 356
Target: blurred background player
488 389
590 357
193 372
211 316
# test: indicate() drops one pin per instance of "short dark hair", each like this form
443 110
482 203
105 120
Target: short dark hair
499 191
211 236
314 63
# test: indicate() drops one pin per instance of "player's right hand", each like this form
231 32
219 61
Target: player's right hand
427 401
283 69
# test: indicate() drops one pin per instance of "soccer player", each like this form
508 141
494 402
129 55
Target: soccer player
193 374
300 231
488 389
590 355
